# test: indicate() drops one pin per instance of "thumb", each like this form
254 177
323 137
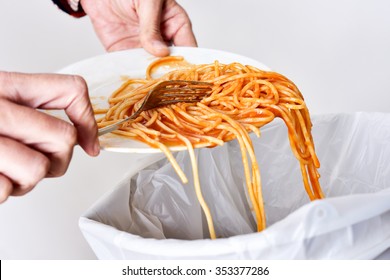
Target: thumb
149 13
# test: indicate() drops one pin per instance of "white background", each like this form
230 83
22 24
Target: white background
337 52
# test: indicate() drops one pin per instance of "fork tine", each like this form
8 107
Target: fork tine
184 82
189 89
184 85
185 94
194 88
174 101
184 90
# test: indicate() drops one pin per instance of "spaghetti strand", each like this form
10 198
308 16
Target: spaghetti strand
243 99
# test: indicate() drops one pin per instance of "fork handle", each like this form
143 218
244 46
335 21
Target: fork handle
114 126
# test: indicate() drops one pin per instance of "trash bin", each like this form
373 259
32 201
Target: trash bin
150 214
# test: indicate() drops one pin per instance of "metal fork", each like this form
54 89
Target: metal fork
166 93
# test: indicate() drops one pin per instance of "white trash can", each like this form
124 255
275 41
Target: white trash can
151 215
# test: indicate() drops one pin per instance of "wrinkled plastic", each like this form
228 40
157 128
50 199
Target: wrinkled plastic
152 215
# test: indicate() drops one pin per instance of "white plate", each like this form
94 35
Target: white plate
103 75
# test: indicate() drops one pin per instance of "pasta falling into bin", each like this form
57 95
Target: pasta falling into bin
243 99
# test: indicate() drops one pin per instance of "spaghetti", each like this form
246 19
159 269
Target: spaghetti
243 99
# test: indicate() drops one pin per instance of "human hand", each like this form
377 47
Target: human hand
33 144
151 24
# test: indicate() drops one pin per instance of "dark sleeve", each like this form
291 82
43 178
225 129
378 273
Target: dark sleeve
65 7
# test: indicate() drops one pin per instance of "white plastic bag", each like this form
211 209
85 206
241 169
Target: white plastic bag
151 215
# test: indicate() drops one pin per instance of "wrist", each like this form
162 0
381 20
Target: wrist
71 7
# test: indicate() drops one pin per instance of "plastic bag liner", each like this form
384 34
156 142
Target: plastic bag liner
150 214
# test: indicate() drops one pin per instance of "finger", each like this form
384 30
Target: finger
5 188
149 12
52 136
184 36
24 166
177 26
55 91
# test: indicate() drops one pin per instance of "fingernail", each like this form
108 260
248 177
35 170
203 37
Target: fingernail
160 49
96 148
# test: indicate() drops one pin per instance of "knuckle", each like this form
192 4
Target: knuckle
187 25
66 137
60 166
79 84
62 170
62 139
41 168
70 136
38 170
59 173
